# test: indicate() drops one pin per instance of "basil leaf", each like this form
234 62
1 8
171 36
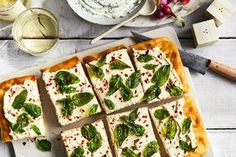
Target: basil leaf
114 84
20 99
161 75
44 145
21 122
101 61
186 147
118 64
126 152
126 93
77 152
170 128
134 80
175 91
110 105
88 131
151 93
67 106
133 115
81 99
186 124
95 143
150 149
150 66
121 132
93 109
32 109
66 78
161 114
66 89
36 129
136 129
95 71
143 58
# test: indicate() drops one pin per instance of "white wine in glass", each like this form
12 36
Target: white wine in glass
36 31
10 9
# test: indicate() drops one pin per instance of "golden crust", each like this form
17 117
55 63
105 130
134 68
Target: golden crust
171 52
93 57
191 110
4 86
67 64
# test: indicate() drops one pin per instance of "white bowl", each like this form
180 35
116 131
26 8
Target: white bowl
103 20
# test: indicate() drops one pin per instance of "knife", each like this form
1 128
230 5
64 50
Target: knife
196 62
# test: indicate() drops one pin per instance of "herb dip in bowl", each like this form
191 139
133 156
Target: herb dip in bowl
106 12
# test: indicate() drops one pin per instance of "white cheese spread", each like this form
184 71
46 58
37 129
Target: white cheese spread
101 86
73 139
12 114
140 142
146 75
81 87
175 110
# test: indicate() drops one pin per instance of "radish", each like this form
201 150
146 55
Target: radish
167 11
164 2
184 2
159 14
173 1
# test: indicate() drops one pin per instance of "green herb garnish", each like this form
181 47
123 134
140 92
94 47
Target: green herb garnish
121 132
150 66
110 105
89 132
133 80
32 109
186 124
77 152
81 99
93 109
95 71
118 64
20 99
126 93
36 129
126 152
44 145
151 93
150 149
114 84
143 58
186 147
161 114
63 78
170 128
175 91
101 61
161 76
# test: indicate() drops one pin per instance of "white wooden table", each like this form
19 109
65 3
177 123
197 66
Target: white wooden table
216 95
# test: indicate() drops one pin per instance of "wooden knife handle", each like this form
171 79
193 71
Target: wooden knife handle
223 70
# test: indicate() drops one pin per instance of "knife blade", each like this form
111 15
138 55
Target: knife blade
196 62
192 61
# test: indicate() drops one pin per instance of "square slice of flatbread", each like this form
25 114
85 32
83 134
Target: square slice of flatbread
89 140
21 114
114 78
70 91
181 128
